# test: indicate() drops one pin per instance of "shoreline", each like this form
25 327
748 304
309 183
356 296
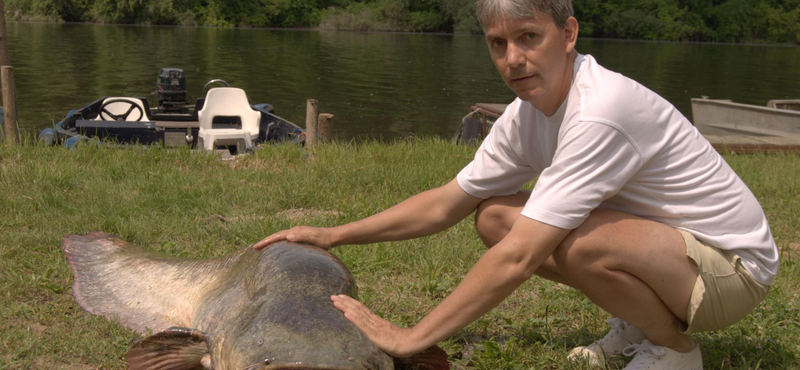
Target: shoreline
317 29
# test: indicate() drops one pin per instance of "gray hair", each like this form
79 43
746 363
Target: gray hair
491 10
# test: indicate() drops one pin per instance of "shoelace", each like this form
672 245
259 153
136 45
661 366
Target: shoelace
617 325
645 354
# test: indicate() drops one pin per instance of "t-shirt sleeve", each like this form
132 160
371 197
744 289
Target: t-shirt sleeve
497 168
594 160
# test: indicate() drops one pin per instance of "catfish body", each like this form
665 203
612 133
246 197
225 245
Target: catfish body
250 310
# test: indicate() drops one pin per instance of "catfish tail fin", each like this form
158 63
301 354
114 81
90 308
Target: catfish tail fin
115 279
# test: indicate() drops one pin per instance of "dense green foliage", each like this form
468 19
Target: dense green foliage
683 20
695 20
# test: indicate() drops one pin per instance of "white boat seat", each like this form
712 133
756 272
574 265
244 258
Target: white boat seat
227 119
124 108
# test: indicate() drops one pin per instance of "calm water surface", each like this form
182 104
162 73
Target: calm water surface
383 85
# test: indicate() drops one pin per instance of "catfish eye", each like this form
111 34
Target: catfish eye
260 342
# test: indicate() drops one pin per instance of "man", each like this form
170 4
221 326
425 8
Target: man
632 206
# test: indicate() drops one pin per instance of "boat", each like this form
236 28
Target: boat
477 124
748 128
728 126
724 117
221 119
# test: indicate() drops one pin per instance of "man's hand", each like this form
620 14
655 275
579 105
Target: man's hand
318 236
390 338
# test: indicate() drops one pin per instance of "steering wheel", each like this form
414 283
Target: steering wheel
115 114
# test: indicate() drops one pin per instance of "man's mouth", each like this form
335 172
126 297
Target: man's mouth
522 78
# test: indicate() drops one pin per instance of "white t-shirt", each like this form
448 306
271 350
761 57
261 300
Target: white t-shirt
614 144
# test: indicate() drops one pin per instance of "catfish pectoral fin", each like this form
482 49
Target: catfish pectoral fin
433 358
173 349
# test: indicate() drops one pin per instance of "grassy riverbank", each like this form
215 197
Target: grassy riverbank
191 205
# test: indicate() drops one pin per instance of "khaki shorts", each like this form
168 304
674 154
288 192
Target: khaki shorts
724 292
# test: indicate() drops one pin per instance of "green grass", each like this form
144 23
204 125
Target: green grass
196 206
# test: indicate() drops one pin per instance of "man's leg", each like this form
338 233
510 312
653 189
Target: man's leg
633 268
495 217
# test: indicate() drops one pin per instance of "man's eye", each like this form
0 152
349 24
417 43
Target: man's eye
530 35
498 43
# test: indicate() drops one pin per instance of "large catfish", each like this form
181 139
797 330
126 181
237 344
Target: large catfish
250 310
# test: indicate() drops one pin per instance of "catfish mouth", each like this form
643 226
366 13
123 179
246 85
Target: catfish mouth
263 367
269 365
433 358
281 367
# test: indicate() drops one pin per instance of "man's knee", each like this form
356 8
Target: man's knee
586 247
489 222
495 216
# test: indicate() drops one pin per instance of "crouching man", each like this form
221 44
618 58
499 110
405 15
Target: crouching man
632 206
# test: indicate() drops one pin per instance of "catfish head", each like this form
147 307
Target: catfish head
290 321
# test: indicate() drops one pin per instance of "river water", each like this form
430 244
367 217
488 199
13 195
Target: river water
378 85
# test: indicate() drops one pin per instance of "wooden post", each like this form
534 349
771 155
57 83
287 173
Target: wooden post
325 127
9 104
311 123
4 59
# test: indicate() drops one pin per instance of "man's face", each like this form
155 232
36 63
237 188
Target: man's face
532 56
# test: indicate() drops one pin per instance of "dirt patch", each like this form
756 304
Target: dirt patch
37 328
30 327
792 250
293 214
222 218
47 363
296 214
247 162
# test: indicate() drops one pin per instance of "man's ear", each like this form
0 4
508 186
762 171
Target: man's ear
570 34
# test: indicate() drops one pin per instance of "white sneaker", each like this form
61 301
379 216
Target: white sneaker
649 356
621 335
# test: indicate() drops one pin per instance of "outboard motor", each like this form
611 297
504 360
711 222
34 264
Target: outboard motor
171 89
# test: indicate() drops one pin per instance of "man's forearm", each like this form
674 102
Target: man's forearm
496 275
489 282
423 214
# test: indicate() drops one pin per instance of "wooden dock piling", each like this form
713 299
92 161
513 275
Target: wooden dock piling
7 76
10 105
5 60
325 127
311 123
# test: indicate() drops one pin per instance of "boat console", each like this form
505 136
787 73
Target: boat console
125 120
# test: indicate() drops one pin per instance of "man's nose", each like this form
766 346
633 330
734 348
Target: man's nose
515 56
